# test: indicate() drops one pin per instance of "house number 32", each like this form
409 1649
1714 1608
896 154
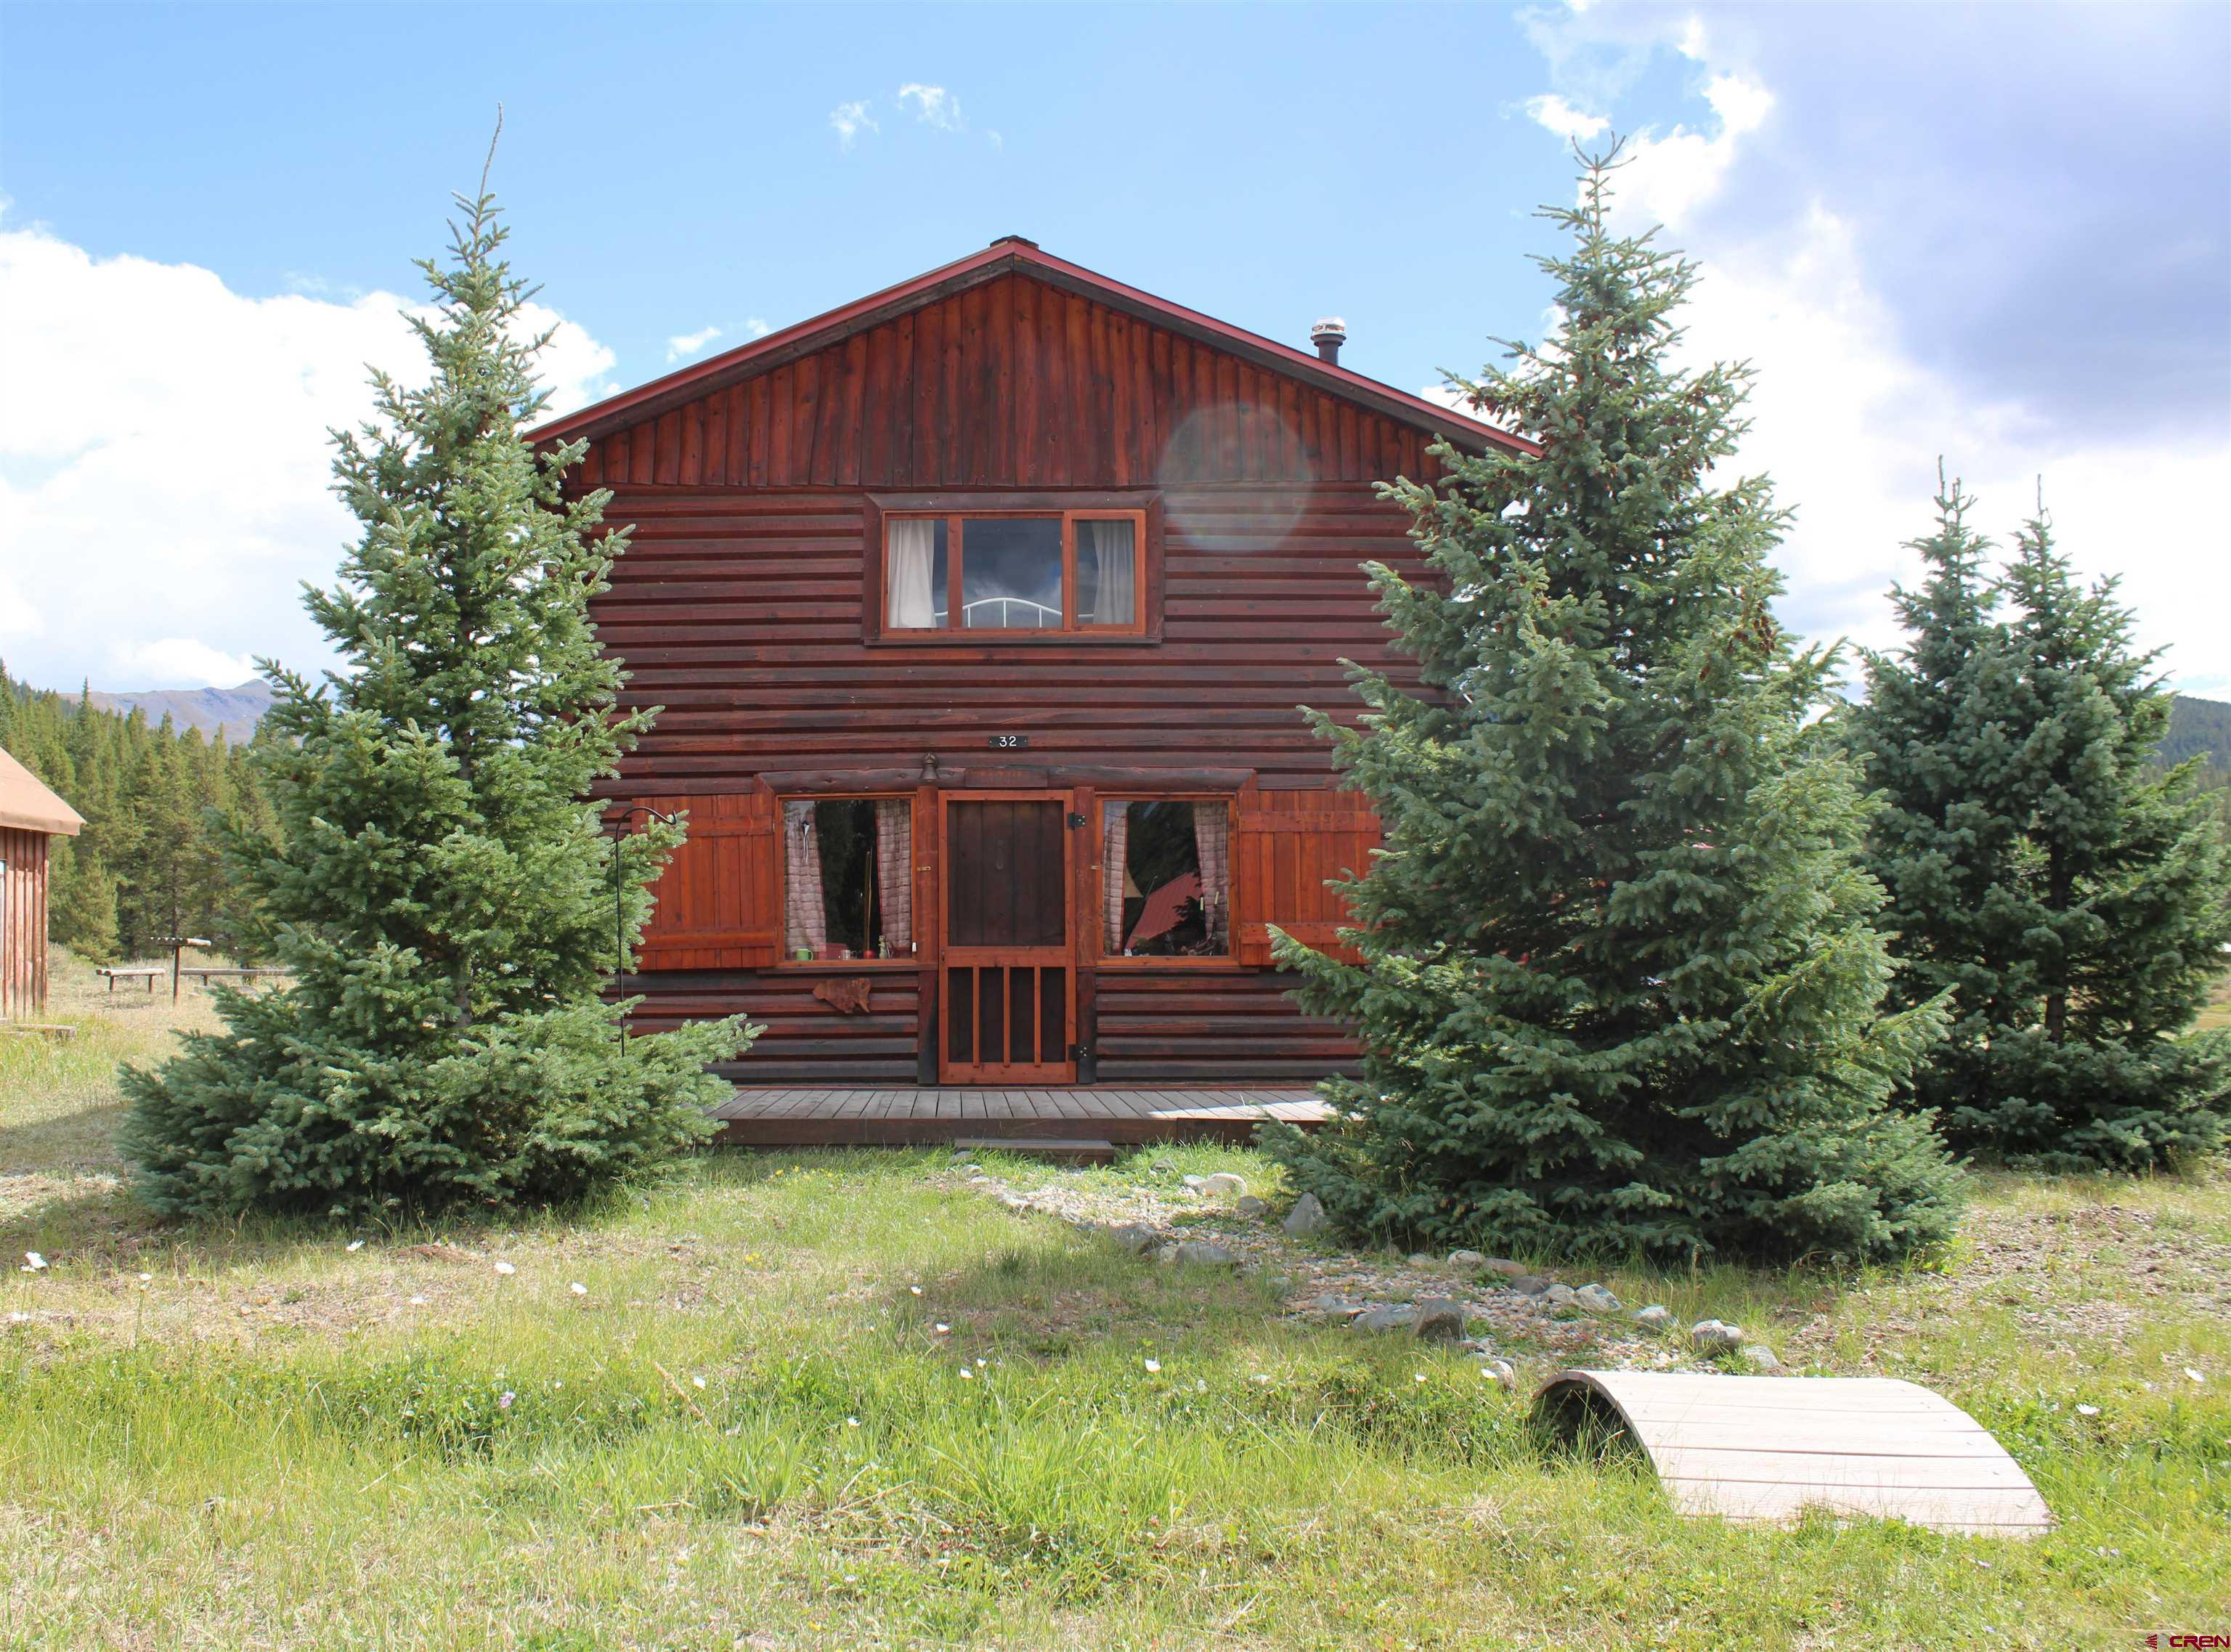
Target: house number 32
1008 742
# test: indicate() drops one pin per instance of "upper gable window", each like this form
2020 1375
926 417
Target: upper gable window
1044 571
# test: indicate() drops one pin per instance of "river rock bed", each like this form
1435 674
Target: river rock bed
1536 1319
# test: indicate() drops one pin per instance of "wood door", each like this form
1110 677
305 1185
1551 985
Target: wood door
1009 1009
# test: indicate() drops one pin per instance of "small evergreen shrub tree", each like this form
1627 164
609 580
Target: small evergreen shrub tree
437 884
2071 895
1619 988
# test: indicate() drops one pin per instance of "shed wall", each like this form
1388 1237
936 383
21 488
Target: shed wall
23 923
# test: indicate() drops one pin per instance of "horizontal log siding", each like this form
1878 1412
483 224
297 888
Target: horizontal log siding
806 1041
739 614
1012 383
1210 1027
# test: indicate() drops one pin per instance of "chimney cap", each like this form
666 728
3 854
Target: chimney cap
1328 327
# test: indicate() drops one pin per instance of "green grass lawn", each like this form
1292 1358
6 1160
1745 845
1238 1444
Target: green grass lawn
840 1400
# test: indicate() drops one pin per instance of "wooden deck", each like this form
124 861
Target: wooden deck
777 1118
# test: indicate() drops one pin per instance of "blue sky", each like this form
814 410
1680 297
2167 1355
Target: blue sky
2002 233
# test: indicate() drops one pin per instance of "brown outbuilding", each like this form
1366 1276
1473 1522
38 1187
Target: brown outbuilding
30 817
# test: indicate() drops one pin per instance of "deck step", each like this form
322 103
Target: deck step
1082 1150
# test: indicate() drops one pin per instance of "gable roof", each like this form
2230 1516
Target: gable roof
27 805
1012 254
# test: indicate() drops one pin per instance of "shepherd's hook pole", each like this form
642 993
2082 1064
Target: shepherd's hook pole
618 826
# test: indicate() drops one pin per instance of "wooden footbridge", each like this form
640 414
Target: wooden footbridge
1768 1448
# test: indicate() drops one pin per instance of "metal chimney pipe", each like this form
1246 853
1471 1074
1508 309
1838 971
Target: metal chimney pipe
1327 335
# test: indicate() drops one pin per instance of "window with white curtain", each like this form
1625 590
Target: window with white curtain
1061 571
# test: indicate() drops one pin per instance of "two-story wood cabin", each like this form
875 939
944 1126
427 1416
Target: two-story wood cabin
981 609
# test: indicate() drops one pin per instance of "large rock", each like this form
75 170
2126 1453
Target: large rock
1505 1267
1656 1317
1308 1216
1530 1284
1440 1318
1470 1258
1711 1336
1401 1316
1129 1236
1596 1299
1248 1205
1760 1358
1561 1296
1224 1182
1199 1253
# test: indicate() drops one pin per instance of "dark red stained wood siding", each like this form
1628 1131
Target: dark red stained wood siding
806 1041
739 610
1012 383
741 614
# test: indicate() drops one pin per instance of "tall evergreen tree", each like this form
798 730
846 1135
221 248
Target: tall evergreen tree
440 890
1618 984
167 826
2071 896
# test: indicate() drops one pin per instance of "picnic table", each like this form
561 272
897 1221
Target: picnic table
203 975
146 973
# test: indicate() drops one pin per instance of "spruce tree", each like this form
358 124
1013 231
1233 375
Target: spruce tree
1619 988
439 888
2071 895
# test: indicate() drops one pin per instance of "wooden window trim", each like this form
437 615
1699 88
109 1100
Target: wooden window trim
1144 508
906 962
1104 959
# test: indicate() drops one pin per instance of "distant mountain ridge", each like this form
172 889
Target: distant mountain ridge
2198 728
232 713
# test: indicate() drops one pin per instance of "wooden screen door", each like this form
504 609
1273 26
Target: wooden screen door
1009 1011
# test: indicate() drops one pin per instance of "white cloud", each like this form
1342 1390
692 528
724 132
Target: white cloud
165 465
177 661
1851 425
1850 420
757 327
932 105
689 344
17 617
850 119
1553 113
1668 178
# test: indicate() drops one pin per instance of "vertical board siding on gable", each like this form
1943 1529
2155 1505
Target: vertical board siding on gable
1011 383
